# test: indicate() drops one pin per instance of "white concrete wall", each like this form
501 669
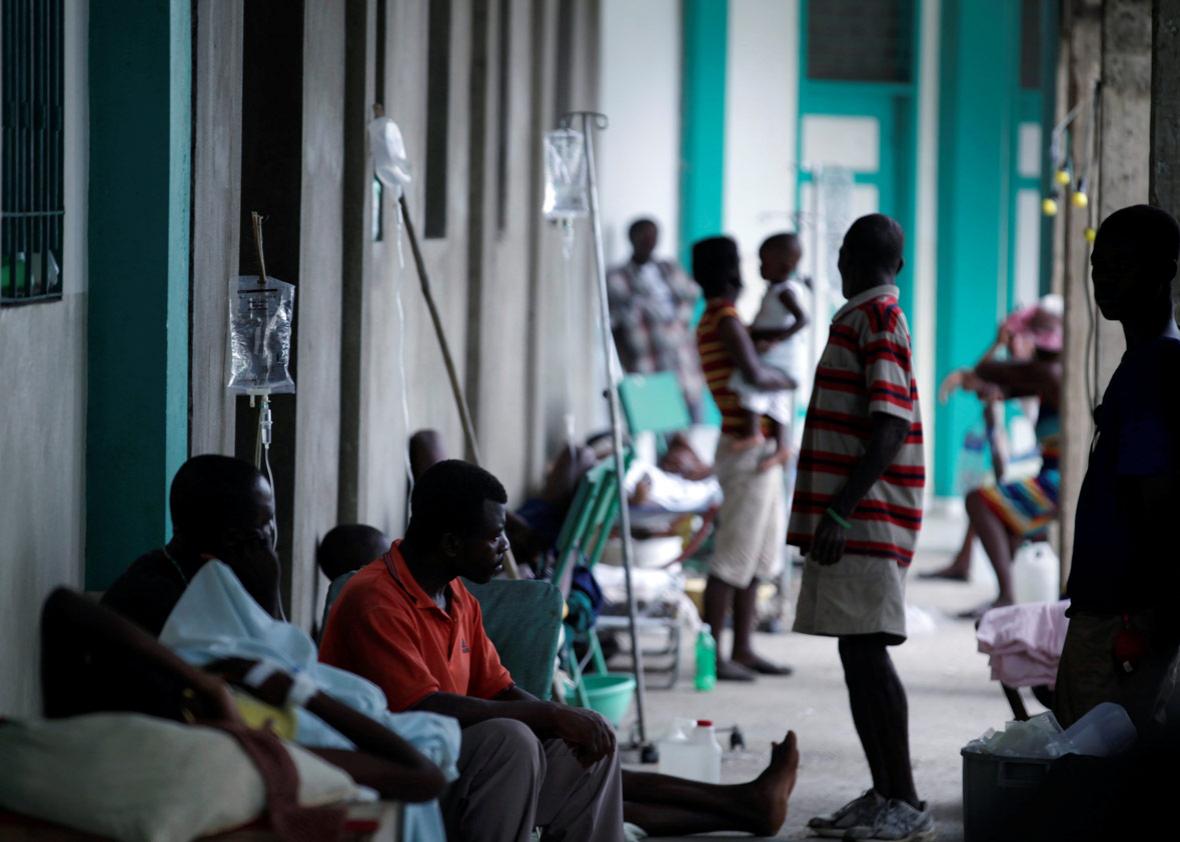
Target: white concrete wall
761 112
639 155
43 423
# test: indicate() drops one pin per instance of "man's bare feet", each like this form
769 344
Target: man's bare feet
770 792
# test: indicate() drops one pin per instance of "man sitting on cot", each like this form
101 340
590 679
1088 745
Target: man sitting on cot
408 624
222 508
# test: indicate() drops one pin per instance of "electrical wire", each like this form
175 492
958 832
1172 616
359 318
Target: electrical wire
401 348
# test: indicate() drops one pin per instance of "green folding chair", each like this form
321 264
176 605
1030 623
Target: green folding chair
522 618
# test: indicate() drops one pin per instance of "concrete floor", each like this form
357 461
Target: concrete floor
951 700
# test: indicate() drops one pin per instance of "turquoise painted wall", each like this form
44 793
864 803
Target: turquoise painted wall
979 65
138 333
705 27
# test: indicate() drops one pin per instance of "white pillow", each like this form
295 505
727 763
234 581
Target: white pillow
140 779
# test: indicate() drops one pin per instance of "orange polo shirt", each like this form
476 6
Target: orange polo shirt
385 628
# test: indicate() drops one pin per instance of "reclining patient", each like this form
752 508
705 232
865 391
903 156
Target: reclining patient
93 661
212 594
408 624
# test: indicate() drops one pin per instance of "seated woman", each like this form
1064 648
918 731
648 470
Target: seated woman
94 660
1005 515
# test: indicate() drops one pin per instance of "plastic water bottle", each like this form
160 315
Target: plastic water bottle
706 674
690 750
708 752
1106 731
1036 574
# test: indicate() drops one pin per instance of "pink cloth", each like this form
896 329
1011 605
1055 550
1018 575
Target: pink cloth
1024 642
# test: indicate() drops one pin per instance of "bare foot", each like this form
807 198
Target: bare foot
733 671
954 572
762 666
770 791
978 611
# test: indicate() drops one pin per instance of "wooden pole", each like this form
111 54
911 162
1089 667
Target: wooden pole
510 566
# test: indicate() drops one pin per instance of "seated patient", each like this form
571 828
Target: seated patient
222 508
343 550
408 624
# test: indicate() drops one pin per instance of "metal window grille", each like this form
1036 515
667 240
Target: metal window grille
1030 44
859 41
31 196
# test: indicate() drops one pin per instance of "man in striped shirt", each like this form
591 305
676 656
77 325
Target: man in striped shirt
748 546
856 515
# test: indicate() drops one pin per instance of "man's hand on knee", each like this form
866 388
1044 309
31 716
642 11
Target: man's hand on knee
587 734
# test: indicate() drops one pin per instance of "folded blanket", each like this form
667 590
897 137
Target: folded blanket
1024 642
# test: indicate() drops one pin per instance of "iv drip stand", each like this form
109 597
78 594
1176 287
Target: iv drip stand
591 121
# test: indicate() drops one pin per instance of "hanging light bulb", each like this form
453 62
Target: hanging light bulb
1049 206
1079 198
1063 176
1091 234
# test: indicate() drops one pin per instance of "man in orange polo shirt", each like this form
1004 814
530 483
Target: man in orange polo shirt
407 624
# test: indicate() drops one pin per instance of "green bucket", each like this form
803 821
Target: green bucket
609 694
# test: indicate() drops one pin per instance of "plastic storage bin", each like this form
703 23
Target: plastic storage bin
998 793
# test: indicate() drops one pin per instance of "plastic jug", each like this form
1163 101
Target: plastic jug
1105 731
691 751
1036 573
706 658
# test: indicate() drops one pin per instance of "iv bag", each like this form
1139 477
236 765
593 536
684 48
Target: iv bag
390 163
260 319
565 175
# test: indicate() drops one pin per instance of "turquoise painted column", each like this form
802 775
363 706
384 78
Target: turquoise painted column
979 62
705 30
138 334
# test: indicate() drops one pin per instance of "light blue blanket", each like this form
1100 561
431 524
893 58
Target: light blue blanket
216 618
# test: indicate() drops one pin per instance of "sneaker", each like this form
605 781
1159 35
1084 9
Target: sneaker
859 813
899 821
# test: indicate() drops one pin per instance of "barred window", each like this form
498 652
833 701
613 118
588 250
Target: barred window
31 196
860 40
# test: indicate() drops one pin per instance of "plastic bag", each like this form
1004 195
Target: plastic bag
260 320
390 163
565 175
1038 737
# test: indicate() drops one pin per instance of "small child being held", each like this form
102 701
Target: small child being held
775 331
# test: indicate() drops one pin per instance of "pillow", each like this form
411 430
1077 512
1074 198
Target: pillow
139 779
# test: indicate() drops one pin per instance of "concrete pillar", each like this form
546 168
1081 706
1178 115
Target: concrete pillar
1165 112
137 365
1082 22
217 167
1113 40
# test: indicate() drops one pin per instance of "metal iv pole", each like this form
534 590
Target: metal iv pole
590 122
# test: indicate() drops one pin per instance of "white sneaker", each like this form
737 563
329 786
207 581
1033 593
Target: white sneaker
859 813
899 821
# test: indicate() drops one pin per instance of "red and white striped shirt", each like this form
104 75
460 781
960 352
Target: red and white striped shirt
865 368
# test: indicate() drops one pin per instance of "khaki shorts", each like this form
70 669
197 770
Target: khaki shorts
752 523
856 595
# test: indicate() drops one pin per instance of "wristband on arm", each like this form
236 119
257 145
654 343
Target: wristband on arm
840 521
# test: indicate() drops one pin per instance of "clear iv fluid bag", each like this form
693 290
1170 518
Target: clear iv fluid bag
565 175
260 318
390 163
